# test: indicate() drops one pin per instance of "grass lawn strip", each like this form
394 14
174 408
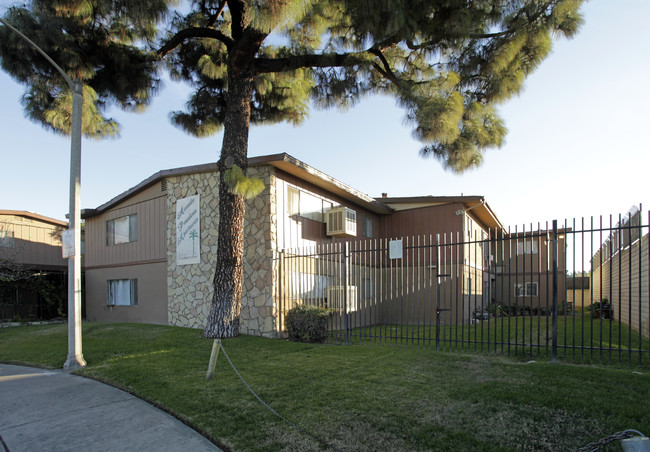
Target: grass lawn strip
356 398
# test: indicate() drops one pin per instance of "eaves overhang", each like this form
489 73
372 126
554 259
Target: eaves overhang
283 162
474 204
301 170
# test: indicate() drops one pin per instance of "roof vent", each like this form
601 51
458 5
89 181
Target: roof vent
163 185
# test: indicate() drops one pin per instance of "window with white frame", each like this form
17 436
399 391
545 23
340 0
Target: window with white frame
526 289
305 204
293 201
122 292
122 230
527 246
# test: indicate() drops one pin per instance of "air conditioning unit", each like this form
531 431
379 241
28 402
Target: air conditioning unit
336 301
341 222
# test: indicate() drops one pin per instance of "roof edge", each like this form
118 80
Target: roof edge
36 216
282 161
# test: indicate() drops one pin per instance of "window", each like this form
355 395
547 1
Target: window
305 204
122 230
311 207
122 292
308 285
528 289
6 239
367 288
366 226
293 201
527 246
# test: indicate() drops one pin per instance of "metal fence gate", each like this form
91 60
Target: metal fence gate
576 291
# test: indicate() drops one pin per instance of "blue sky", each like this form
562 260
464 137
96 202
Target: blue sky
576 146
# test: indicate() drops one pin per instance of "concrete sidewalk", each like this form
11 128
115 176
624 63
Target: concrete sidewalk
52 410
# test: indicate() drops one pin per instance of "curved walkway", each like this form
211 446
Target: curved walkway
52 410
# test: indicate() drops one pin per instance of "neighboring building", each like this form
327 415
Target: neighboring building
524 271
150 252
33 272
620 271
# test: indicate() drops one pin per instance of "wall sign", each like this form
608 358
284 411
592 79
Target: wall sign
67 243
395 250
188 230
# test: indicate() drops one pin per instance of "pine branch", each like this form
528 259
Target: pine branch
189 33
214 17
413 46
526 23
266 65
386 71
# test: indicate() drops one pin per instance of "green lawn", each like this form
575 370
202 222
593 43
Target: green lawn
581 339
352 398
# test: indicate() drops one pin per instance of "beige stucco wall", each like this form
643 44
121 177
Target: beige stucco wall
190 286
152 294
623 280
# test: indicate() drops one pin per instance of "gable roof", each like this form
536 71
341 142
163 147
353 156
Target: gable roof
283 161
34 216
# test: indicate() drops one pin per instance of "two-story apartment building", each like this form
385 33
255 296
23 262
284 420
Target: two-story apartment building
150 251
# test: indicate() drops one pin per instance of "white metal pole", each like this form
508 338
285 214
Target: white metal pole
75 358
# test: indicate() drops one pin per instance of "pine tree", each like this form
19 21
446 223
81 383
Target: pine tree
449 64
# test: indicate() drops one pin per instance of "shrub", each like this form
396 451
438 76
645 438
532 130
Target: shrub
601 309
307 324
497 310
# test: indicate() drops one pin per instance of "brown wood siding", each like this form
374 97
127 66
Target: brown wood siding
36 243
425 220
151 244
152 294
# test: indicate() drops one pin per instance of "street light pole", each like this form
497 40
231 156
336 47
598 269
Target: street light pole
75 358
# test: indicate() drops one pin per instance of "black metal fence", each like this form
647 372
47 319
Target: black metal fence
575 291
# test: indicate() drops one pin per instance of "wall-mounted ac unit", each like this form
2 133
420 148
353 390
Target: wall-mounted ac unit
341 222
336 301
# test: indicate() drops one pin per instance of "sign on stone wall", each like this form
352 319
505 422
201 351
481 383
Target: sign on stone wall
188 230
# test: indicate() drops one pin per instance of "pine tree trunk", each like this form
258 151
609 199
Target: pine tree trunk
223 320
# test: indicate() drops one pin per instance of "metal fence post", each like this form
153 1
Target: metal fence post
346 325
280 290
437 292
554 347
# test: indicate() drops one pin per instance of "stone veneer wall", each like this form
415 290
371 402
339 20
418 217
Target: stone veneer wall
190 286
259 309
